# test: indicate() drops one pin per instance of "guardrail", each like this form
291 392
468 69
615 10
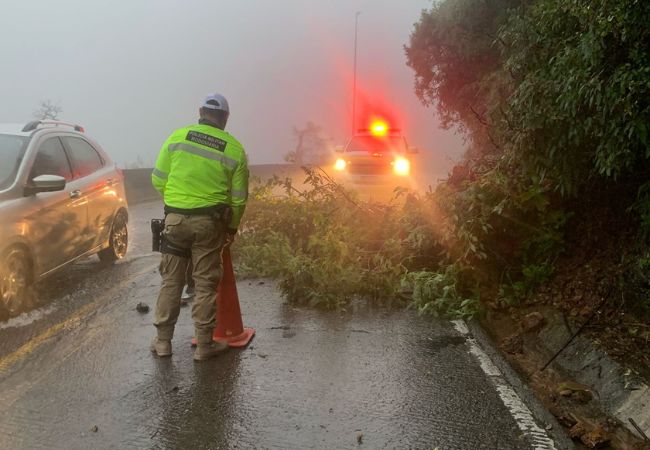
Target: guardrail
137 182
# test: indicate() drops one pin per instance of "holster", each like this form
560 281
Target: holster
157 227
170 248
160 244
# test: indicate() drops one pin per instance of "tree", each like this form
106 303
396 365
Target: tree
48 110
311 146
137 164
580 107
454 52
559 88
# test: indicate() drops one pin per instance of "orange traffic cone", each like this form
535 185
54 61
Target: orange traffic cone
229 327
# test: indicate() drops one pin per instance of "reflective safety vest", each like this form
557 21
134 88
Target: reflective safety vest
200 166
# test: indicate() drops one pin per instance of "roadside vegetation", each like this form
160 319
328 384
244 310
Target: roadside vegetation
553 97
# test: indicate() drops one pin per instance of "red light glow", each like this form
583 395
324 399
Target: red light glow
379 128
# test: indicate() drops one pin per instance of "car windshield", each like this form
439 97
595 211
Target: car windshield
378 144
12 149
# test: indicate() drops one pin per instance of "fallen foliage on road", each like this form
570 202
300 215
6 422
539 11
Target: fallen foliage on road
435 251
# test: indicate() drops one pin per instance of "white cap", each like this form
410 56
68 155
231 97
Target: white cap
217 102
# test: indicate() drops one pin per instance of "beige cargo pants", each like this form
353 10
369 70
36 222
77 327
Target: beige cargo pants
206 238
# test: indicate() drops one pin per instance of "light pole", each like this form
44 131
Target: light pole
354 76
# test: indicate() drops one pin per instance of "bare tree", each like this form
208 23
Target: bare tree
137 164
311 146
48 110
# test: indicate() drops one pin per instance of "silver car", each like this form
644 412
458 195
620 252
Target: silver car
61 198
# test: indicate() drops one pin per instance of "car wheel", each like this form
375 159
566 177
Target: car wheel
15 278
119 240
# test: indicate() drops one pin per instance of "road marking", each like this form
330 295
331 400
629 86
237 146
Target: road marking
29 318
518 409
71 323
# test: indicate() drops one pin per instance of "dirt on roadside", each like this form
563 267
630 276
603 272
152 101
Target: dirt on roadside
575 406
601 286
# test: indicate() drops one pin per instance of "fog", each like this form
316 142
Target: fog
131 72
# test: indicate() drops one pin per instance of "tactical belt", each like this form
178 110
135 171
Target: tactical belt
216 210
220 212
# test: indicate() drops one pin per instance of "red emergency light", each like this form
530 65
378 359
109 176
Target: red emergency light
387 132
379 128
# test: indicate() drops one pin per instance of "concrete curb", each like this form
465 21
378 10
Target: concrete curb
560 438
621 392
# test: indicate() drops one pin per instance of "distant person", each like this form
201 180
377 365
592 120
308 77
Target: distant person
189 285
202 173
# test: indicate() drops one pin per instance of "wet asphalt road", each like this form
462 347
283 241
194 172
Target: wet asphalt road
77 374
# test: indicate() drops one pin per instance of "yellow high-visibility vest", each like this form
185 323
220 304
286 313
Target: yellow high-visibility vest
201 166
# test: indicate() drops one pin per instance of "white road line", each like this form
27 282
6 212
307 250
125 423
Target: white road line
28 318
519 411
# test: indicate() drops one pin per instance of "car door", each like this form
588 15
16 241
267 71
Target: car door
97 177
57 221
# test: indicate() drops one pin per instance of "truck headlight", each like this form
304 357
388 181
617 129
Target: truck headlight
340 164
401 166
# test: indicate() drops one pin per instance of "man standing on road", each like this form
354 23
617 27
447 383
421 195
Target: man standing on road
202 173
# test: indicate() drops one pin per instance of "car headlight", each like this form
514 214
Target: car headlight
401 166
340 164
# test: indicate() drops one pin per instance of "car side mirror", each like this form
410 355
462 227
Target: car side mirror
45 183
413 150
338 149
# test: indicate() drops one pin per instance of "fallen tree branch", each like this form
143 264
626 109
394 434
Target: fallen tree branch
638 429
582 327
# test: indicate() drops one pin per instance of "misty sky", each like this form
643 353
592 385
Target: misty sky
131 72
